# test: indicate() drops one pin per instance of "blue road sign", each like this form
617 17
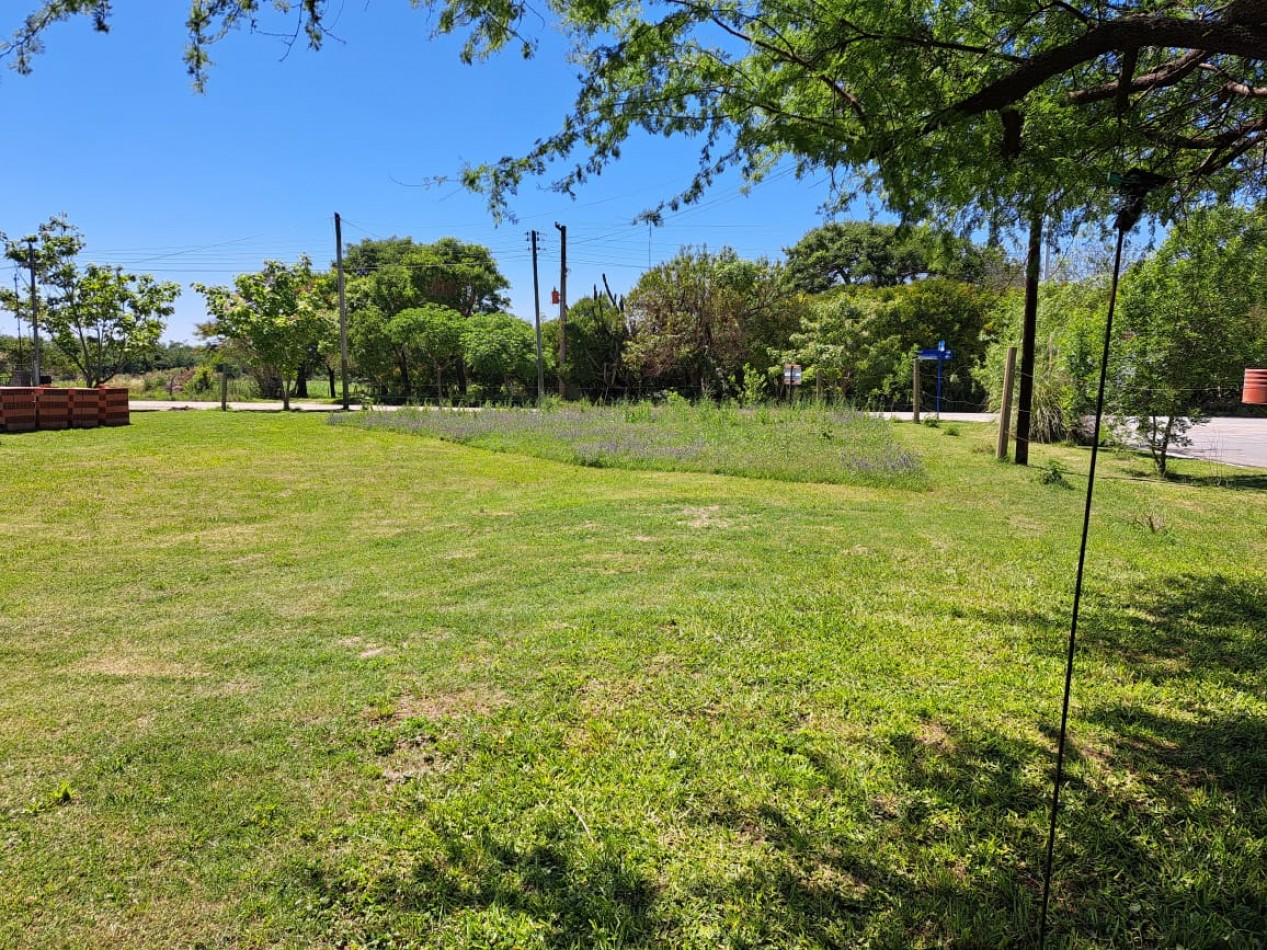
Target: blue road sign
940 354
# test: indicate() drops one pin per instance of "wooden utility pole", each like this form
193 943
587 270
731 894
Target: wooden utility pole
563 304
915 390
1005 410
536 319
1025 399
343 308
35 314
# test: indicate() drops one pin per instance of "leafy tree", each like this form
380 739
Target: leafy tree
276 314
939 107
395 275
501 351
1193 315
374 351
859 342
98 317
432 333
881 255
844 348
698 320
1069 336
596 337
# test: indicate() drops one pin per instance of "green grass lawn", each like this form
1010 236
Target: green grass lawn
268 681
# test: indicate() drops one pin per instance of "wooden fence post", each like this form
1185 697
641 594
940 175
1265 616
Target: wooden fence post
1005 410
915 391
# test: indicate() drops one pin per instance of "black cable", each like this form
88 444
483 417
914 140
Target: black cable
1077 590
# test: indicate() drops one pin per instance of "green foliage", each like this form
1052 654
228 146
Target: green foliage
696 321
1193 315
596 337
500 352
880 255
432 335
844 348
858 343
1067 358
445 280
980 113
100 318
278 315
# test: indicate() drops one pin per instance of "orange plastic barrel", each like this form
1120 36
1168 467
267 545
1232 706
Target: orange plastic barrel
1255 391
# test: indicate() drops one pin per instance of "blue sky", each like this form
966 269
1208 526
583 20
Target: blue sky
196 187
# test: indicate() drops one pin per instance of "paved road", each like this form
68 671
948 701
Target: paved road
1232 441
159 405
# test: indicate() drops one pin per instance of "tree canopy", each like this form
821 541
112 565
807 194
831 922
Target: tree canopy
1193 315
882 255
100 318
278 314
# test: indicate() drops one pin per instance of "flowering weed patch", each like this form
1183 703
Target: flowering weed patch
794 444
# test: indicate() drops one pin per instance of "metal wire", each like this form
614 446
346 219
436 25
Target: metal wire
1077 593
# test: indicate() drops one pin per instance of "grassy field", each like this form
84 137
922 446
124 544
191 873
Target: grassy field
268 681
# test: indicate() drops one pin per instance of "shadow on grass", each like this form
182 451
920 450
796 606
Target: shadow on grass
1188 626
1250 480
949 854
939 844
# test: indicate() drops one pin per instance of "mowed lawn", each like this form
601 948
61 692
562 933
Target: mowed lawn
271 682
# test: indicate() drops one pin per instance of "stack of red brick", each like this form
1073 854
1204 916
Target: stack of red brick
25 408
113 409
52 405
17 408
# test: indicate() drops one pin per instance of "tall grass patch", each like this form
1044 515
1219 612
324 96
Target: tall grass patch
787 443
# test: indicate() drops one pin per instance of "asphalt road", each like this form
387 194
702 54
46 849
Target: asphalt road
1232 441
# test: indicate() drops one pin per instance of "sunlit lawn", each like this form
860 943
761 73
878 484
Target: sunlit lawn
268 681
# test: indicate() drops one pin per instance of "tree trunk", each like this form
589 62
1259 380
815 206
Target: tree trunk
462 376
301 382
404 376
330 374
285 396
439 385
1025 398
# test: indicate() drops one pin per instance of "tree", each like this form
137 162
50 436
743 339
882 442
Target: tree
395 275
596 337
432 333
880 255
374 351
1194 314
100 318
1070 332
501 351
860 341
698 320
844 348
276 314
942 107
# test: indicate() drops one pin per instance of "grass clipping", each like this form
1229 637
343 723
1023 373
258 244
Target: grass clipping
794 444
